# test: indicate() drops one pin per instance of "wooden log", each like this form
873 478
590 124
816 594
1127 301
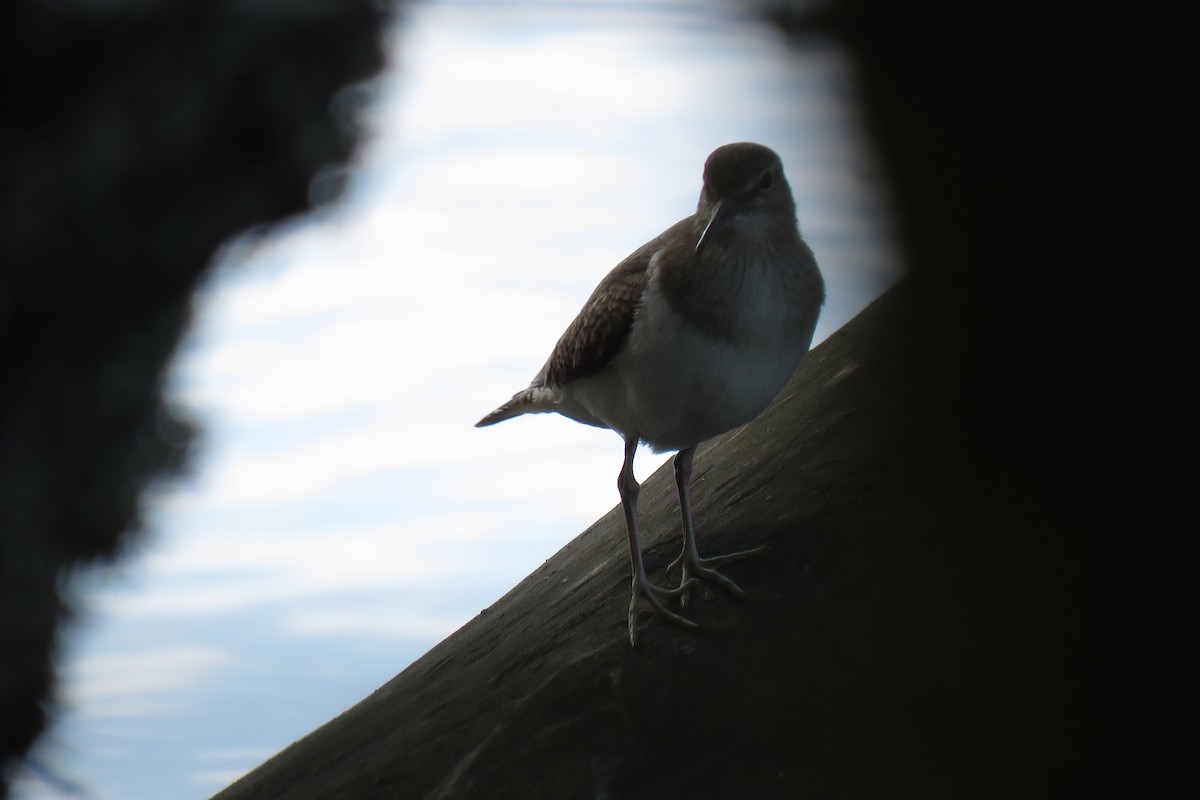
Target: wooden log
887 643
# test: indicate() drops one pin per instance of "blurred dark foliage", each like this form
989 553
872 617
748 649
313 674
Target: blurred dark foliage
136 137
1036 157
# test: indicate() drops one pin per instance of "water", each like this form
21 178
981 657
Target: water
344 515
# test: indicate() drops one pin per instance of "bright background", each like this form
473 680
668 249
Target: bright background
343 515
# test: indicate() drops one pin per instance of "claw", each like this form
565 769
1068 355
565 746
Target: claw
645 595
684 586
703 569
716 561
689 562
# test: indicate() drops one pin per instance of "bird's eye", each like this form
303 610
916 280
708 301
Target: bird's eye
767 180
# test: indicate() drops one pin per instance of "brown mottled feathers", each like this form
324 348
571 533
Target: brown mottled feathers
603 324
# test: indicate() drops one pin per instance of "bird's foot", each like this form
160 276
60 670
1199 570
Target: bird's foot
705 569
646 594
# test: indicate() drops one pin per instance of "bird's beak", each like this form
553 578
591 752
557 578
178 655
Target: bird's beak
720 215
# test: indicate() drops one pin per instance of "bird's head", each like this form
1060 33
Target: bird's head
742 181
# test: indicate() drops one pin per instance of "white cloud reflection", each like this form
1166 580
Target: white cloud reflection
141 682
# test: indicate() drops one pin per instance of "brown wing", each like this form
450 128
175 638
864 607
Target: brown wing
603 325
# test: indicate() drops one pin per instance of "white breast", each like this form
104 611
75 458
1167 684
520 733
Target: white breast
675 386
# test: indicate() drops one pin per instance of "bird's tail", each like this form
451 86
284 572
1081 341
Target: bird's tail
523 402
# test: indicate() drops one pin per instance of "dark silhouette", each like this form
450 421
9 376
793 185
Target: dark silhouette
135 139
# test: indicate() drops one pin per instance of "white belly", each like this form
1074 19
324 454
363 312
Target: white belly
675 386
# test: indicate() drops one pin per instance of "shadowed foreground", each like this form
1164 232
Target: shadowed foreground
890 642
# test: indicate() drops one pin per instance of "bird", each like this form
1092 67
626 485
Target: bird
690 336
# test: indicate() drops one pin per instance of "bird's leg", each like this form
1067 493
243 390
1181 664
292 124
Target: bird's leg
643 590
693 566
